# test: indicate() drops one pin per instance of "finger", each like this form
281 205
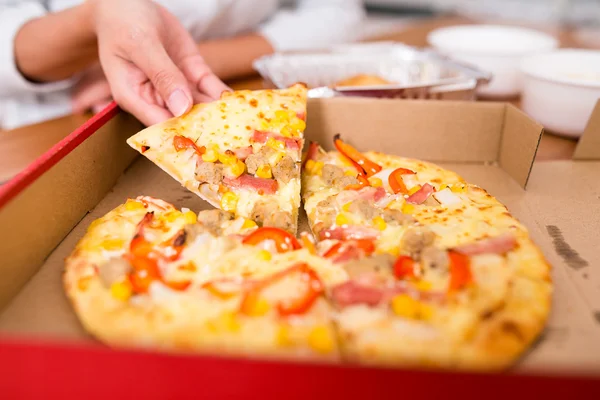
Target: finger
184 52
127 83
96 108
200 97
86 94
170 83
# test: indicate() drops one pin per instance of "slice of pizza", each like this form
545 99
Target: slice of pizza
371 197
240 153
149 275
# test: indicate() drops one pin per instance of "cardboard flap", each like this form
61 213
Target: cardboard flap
465 135
520 139
588 147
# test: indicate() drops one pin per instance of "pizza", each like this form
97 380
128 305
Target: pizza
439 272
241 153
406 264
148 275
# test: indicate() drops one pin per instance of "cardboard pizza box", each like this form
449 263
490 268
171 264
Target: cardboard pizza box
46 209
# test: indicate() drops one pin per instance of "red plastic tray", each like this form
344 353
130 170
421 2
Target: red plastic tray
34 369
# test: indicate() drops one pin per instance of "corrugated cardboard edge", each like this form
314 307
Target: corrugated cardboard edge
588 147
57 190
520 141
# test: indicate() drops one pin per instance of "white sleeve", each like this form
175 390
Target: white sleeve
13 15
314 24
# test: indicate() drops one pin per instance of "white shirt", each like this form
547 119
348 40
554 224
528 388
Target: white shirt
313 23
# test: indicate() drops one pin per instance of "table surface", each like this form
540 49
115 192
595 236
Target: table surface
20 146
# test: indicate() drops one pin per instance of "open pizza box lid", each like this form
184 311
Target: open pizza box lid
46 209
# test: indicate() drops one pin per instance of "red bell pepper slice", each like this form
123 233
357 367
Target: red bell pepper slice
460 271
404 267
144 258
312 153
395 180
370 168
302 303
183 143
284 241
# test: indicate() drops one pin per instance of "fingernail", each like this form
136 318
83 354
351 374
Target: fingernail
178 103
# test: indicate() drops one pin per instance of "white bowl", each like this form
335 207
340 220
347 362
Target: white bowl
561 88
494 48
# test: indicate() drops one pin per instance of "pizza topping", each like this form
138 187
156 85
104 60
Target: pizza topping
421 195
259 159
368 166
262 209
330 173
347 182
183 143
243 152
396 180
114 270
406 306
302 302
312 153
284 241
308 242
363 208
210 172
404 267
435 258
263 137
349 233
285 169
265 186
446 197
392 215
460 271
372 268
415 239
213 220
352 249
280 219
224 288
496 245
351 292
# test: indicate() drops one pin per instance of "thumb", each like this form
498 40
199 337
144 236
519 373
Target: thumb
167 79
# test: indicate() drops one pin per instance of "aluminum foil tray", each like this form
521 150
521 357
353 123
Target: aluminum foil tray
414 72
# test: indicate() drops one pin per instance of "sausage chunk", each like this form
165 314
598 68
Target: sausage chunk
379 266
254 161
326 211
280 219
363 209
435 258
416 239
344 181
261 210
114 270
285 169
391 215
213 219
209 172
331 173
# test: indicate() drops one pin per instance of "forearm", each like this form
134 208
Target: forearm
56 46
232 57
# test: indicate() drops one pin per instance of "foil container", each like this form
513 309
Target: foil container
412 72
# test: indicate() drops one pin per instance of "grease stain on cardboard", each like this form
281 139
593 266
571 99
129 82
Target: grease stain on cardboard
564 250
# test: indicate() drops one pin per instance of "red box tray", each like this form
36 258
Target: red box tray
35 369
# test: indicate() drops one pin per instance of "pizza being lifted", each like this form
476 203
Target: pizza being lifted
240 153
409 265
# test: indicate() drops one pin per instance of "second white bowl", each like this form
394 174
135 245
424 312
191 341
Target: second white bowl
494 48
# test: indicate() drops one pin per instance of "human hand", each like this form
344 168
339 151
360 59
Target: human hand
152 64
92 91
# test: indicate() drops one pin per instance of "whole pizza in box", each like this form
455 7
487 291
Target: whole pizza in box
407 264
